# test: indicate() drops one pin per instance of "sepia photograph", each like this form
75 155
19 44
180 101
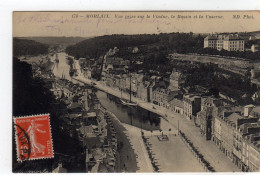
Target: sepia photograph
135 91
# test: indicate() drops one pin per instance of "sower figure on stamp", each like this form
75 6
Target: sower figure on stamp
32 135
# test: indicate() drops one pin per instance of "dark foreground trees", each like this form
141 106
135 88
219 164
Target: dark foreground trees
32 97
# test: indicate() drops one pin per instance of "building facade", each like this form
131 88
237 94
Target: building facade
162 97
191 105
176 106
177 80
231 42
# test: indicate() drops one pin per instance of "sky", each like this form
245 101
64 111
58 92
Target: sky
87 24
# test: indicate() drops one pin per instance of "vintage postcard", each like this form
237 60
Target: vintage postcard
155 91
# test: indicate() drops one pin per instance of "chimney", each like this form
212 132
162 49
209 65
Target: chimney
248 109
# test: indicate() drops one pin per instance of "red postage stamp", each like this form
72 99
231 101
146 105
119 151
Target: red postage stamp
33 137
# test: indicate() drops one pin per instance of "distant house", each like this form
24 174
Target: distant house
87 131
112 52
254 111
82 61
231 42
75 107
89 118
252 38
256 96
135 50
115 65
87 73
100 160
255 48
57 92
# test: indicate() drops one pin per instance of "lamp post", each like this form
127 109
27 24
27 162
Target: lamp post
178 128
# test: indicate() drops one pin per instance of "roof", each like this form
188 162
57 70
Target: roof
88 156
98 154
249 106
177 103
210 101
86 129
153 77
211 37
232 37
191 96
234 117
257 93
66 102
75 105
225 37
92 142
176 75
95 168
245 126
90 114
102 168
217 111
256 109
74 115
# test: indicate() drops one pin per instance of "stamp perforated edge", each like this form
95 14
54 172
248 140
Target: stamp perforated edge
16 141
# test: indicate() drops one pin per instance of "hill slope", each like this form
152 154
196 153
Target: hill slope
65 41
28 47
94 47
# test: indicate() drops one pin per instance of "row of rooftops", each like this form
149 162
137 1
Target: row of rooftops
190 97
254 140
177 102
69 85
223 37
248 126
163 91
90 125
97 155
117 61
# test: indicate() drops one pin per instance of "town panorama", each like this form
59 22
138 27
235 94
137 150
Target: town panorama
162 102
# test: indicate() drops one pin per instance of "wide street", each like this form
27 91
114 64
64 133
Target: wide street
173 155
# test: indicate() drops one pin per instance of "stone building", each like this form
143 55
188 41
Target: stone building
231 42
162 97
191 105
177 80
176 106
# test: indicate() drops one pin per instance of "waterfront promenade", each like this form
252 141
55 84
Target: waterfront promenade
132 141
